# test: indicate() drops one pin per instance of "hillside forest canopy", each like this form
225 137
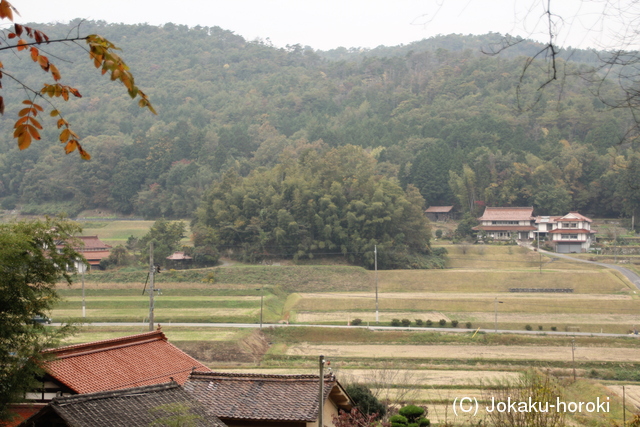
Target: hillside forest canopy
433 122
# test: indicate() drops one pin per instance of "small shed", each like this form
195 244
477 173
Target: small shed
179 260
439 213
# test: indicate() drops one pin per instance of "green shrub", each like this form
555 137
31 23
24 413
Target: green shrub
356 322
406 322
528 327
395 322
454 323
429 322
439 233
539 327
442 322
553 328
468 325
419 322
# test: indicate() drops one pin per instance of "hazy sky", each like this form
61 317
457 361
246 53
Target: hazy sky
326 24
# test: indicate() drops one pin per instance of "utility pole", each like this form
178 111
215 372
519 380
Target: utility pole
573 357
152 270
624 408
321 395
539 254
375 257
261 303
495 313
84 307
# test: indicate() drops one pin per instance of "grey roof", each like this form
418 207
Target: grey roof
233 396
140 406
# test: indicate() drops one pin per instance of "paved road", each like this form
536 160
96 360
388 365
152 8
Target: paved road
633 277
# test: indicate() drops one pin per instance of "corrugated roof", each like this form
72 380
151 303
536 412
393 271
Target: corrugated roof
119 363
140 406
507 214
263 397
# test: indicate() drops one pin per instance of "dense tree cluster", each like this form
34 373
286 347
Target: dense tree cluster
319 201
435 114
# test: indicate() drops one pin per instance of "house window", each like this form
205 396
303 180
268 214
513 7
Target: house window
504 222
569 237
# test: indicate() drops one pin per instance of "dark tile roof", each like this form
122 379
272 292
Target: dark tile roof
439 209
263 397
141 406
130 361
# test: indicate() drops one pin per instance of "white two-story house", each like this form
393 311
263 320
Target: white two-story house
567 234
571 233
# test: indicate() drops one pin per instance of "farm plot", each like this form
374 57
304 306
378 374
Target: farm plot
586 280
468 352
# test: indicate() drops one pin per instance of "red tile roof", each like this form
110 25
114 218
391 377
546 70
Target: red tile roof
439 209
263 397
507 214
22 411
131 361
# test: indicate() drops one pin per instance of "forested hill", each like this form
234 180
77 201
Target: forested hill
437 114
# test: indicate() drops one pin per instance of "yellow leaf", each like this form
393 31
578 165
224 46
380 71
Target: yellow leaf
55 113
71 146
24 140
83 153
54 72
64 135
34 132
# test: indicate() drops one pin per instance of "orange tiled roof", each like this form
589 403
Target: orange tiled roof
22 411
507 214
263 397
131 361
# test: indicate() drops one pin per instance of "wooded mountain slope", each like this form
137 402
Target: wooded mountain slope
433 114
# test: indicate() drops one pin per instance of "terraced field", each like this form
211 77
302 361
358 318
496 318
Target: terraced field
430 368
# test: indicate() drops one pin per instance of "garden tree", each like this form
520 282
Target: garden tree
166 236
365 401
34 256
410 416
29 40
